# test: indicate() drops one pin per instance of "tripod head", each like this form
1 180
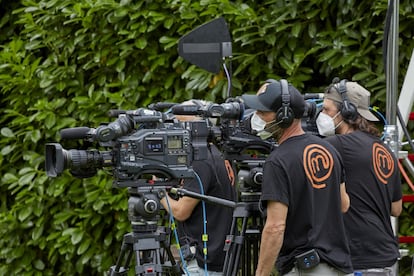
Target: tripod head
144 203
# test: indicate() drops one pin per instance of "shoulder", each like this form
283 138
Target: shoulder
325 142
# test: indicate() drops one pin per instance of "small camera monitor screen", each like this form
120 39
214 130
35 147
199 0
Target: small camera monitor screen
154 145
174 142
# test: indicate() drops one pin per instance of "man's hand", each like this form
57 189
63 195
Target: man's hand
162 193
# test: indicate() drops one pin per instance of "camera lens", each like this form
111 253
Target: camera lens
55 159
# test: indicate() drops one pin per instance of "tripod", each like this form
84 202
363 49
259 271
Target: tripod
149 242
243 244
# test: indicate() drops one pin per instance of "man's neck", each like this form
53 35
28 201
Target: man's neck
294 130
344 128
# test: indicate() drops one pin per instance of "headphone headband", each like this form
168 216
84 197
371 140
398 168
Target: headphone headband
348 110
285 115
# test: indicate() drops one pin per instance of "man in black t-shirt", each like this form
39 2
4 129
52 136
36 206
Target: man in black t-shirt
302 191
372 177
204 229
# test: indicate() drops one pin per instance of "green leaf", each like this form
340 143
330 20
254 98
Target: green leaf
7 150
63 216
312 30
7 132
50 121
37 232
24 213
77 236
39 264
296 29
141 43
83 246
27 178
108 241
120 66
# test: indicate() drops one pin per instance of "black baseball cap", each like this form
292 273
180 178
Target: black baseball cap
271 99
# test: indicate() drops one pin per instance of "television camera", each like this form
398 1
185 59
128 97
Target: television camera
142 142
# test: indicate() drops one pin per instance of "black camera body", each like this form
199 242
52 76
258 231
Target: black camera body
167 151
137 144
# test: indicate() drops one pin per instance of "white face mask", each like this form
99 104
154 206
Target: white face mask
326 125
259 125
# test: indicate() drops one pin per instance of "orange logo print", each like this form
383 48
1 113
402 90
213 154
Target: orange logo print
318 164
230 172
382 162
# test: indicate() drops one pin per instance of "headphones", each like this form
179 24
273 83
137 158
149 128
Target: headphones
348 110
284 115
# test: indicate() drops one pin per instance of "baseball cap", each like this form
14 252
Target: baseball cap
271 99
357 95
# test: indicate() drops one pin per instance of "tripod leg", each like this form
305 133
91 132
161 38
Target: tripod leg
244 244
229 247
150 252
250 252
126 249
239 247
234 243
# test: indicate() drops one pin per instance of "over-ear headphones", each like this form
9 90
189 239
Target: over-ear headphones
284 114
348 110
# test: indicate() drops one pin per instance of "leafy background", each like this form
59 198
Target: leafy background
65 63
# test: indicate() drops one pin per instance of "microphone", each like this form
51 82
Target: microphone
113 113
182 109
161 105
76 132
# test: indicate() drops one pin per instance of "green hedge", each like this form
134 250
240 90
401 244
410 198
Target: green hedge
65 63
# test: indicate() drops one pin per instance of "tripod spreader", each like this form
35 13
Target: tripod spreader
209 199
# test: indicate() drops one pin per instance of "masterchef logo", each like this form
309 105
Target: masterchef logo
230 172
382 162
318 164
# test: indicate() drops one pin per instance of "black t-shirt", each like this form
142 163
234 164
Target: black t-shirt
305 173
217 181
373 183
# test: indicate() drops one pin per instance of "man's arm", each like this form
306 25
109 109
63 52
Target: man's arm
396 208
345 201
272 237
182 208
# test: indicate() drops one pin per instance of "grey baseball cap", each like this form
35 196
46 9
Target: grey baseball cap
357 95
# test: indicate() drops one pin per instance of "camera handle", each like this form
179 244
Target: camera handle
209 199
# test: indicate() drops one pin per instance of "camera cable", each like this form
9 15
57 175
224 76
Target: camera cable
173 226
204 236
